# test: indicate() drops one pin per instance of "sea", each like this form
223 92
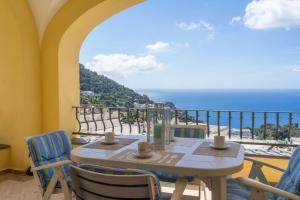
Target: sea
259 101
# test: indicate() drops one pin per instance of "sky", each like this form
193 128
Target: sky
199 44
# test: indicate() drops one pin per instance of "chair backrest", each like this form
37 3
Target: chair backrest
290 180
91 182
189 131
49 148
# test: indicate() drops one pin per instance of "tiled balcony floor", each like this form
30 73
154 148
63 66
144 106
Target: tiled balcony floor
20 187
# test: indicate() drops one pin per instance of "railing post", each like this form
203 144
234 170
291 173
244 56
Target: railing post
207 123
137 120
78 118
119 118
128 119
277 125
93 117
86 121
186 117
111 122
229 124
253 125
197 117
265 125
218 121
102 119
290 125
241 125
146 118
176 116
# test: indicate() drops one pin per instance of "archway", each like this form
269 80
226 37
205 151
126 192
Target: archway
60 52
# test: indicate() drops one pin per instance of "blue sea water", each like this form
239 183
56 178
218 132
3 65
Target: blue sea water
244 100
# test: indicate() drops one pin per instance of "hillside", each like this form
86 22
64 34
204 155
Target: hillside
107 92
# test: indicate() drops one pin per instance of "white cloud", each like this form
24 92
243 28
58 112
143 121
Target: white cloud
123 65
189 26
236 20
158 47
296 69
162 47
267 14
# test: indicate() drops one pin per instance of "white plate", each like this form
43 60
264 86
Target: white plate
110 143
219 148
137 155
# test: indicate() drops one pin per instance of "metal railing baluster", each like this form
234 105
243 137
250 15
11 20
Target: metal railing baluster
176 116
78 118
277 125
229 124
110 119
119 118
218 122
207 123
137 120
265 125
86 121
93 117
102 119
186 117
197 117
290 125
241 125
128 119
253 125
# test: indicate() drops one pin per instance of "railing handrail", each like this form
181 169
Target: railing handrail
201 110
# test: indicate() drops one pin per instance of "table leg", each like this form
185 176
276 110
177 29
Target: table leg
180 186
219 188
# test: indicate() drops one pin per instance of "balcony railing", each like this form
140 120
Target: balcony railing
271 128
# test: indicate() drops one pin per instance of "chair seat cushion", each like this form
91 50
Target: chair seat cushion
46 174
49 148
170 177
237 191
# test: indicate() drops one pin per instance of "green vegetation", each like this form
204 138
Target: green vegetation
106 92
282 134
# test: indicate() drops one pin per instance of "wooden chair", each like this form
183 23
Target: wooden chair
91 182
49 156
288 186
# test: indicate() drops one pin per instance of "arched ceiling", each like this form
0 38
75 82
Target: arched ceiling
43 11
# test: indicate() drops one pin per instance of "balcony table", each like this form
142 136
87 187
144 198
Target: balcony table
213 168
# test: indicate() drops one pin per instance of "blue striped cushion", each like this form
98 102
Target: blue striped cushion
170 177
189 132
50 148
118 171
290 180
237 191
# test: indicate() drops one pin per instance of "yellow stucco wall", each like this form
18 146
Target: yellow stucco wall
40 84
4 159
20 105
60 56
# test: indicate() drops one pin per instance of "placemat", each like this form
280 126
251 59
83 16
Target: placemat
205 149
121 142
158 157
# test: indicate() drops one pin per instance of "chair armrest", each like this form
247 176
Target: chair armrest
261 186
265 164
52 165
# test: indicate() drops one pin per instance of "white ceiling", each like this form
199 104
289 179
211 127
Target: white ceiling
43 11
